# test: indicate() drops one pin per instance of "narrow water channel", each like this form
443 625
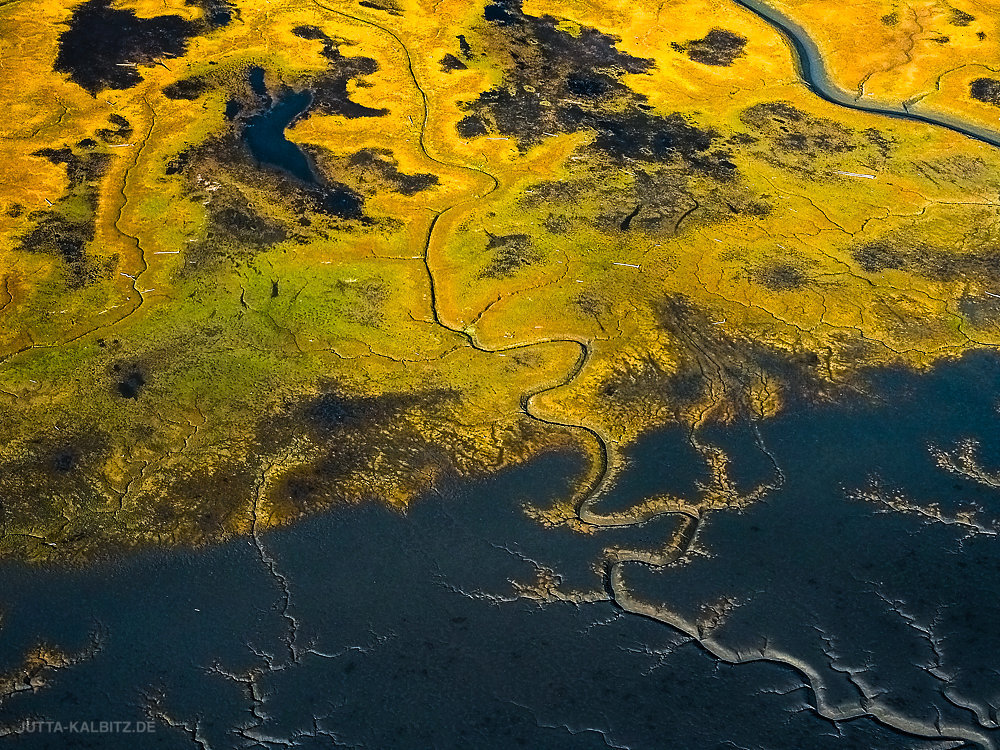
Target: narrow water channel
815 75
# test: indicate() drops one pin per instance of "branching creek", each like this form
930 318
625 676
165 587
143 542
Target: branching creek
813 74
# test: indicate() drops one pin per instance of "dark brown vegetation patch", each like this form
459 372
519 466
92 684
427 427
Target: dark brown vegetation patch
718 47
380 166
961 18
711 364
236 231
104 45
386 6
791 129
186 88
937 264
44 479
450 63
329 89
982 311
986 90
65 229
781 277
351 435
554 81
511 252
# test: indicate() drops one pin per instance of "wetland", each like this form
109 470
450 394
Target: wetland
523 374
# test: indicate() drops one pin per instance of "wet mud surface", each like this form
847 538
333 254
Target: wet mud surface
862 588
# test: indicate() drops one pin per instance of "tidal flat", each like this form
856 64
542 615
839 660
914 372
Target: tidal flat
530 373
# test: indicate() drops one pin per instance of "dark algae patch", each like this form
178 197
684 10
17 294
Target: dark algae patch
42 479
186 88
82 170
711 363
386 6
349 435
787 136
66 229
471 126
509 254
379 167
235 230
718 47
450 63
781 277
731 364
310 32
986 90
66 239
938 264
555 82
544 67
981 310
627 221
647 171
961 18
329 89
103 45
120 130
793 130
246 226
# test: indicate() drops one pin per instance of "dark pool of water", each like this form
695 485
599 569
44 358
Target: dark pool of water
264 136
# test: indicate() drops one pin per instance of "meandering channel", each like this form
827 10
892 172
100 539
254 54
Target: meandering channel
812 70
602 471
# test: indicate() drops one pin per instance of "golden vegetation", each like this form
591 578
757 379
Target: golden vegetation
926 55
643 217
